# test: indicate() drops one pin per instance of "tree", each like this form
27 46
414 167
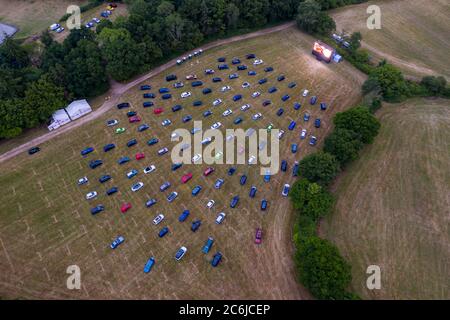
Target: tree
231 16
311 19
322 269
310 199
390 80
76 35
344 144
360 121
11 118
13 55
355 41
320 167
434 85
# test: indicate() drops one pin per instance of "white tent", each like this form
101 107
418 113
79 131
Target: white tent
78 108
59 118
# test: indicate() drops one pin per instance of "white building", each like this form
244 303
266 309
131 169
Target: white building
58 119
78 109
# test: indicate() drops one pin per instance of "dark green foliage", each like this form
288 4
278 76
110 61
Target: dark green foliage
391 82
344 144
320 167
311 19
360 121
322 269
434 85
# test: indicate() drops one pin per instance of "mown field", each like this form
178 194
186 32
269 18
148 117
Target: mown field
45 223
413 34
393 204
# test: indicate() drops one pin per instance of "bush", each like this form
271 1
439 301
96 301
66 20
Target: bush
359 120
389 79
311 19
344 144
304 228
434 85
322 269
320 167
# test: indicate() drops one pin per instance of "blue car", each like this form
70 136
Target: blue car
163 232
313 141
108 147
306 117
263 204
150 202
243 179
87 151
297 106
317 123
216 79
131 114
111 191
95 163
233 76
242 67
195 225
197 103
216 259
231 171
252 73
143 127
97 209
152 141
237 120
149 95
267 177
268 69
294 148
285 97
272 89
176 108
166 96
284 165
196 190
292 125
234 202
123 160
281 77
237 97
104 178
252 192
131 143
187 118
147 104
132 173
280 112
207 113
196 83
262 81
206 90
119 240
208 245
295 169
172 196
235 61
164 90
146 87
176 166
164 186
313 100
323 106
183 216
223 66
149 265
292 85
218 183
123 105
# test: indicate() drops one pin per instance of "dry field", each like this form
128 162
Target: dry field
393 204
45 223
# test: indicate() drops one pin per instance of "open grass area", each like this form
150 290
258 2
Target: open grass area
45 223
393 204
413 34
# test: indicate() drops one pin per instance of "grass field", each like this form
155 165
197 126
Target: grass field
393 204
413 34
45 223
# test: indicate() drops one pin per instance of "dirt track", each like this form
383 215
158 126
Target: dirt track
117 89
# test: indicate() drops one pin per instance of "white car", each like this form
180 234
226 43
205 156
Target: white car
55 26
257 62
112 122
217 102
280 134
158 219
245 85
257 116
96 20
180 253
305 92
256 94
149 169
220 217
252 160
230 137
227 112
245 107
210 204
137 186
174 135
226 88
166 122
303 134
91 195
216 125
209 71
83 180
207 140
197 157
285 191
186 94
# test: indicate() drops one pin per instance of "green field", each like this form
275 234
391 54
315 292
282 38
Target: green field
393 204
45 223
413 34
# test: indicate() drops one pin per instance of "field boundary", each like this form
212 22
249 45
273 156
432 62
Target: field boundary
118 89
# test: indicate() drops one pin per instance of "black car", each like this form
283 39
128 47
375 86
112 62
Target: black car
281 77
149 95
206 90
97 209
143 127
95 163
108 147
176 166
217 79
266 103
268 69
195 225
197 103
131 114
292 85
176 108
112 191
171 77
197 83
223 66
187 118
284 165
147 104
221 59
123 105
34 150
131 143
235 61
242 67
207 113
250 56
280 112
104 178
262 81
231 171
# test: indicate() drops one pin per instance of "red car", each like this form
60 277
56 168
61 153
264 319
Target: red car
258 236
158 110
134 119
125 207
208 171
186 177
140 156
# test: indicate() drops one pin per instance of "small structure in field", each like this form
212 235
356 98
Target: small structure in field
73 111
322 51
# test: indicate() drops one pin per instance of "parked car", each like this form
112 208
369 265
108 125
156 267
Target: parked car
231 171
313 100
208 171
176 108
164 186
195 225
104 178
306 117
206 90
120 130
313 141
196 190
91 195
157 220
234 201
191 77
149 95
242 67
143 127
131 143
223 66
177 85
292 125
262 81
235 61
137 186
297 106
209 71
283 165
252 192
216 79
185 178
150 202
208 244
171 77
285 97
263 204
280 134
257 62
295 169
163 232
112 122
95 163
245 85
323 106
272 89
196 83
186 94
317 123
305 92
257 116
97 209
303 134
172 196
118 241
123 160
109 147
220 217
285 190
280 112
268 69
163 90
233 76
225 88
158 111
183 215
219 183
237 120
180 253
210 204
245 107
294 148
134 119
227 112
256 94
146 87
216 125
207 113
86 151
237 97
186 118
123 105
147 104
250 56
125 207
166 122
176 166
217 102
252 73
292 85
197 103
243 179
111 191
196 157
258 236
149 265
82 181
266 103
132 173
216 259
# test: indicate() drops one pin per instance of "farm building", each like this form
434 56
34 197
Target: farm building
58 119
78 108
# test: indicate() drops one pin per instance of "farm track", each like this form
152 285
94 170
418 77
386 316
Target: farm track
118 89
